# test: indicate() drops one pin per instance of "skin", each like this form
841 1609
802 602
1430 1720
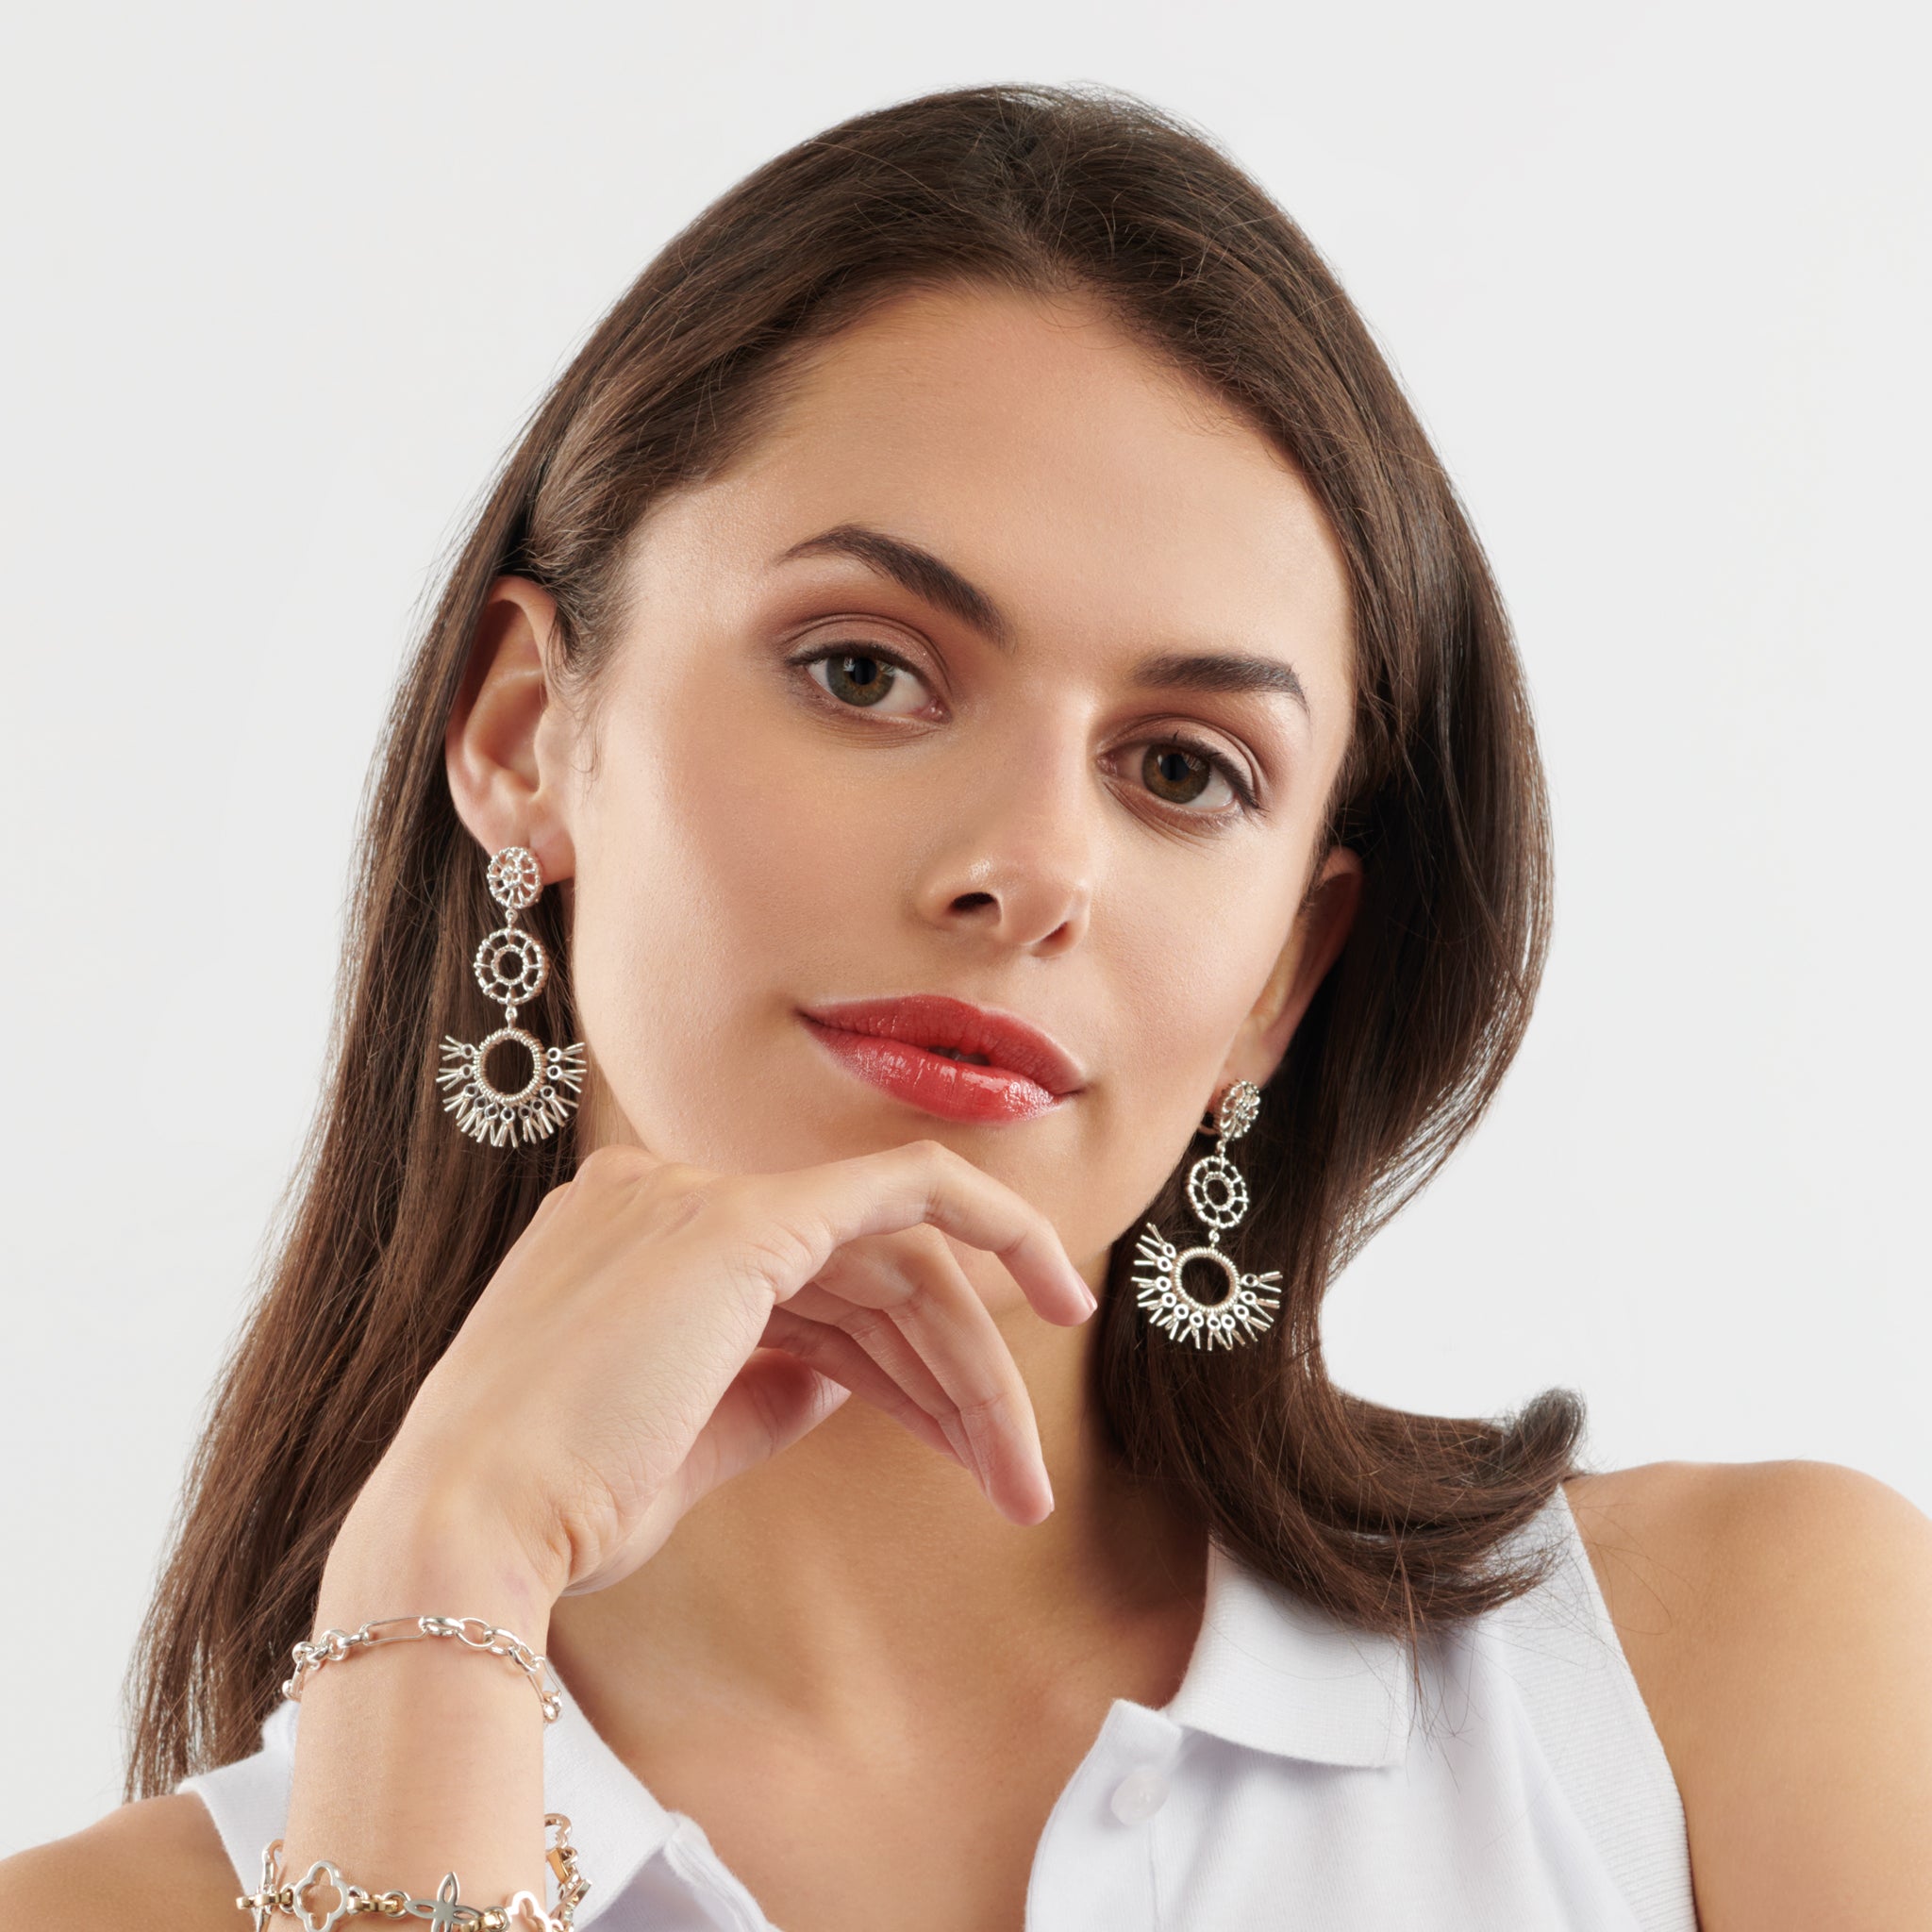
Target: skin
736 840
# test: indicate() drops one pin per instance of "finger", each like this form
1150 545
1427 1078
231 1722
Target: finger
912 1304
880 1342
875 1272
923 1183
835 1354
773 1401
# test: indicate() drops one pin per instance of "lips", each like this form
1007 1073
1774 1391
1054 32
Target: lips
910 1047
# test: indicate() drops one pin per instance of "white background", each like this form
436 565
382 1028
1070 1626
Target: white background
282 283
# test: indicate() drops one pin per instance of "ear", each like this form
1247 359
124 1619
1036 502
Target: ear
505 745
1319 931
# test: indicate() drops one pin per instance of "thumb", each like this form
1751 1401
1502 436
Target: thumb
773 1401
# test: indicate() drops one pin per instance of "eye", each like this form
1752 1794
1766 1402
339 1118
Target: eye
1178 772
866 679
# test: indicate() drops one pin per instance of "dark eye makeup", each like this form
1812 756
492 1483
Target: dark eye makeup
859 677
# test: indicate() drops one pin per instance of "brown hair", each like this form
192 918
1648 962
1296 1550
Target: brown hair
394 1222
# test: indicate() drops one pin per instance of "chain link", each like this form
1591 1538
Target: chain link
333 1647
524 1912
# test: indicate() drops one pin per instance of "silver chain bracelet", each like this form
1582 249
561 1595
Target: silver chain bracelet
332 1646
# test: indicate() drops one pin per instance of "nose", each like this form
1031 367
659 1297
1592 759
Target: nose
1013 855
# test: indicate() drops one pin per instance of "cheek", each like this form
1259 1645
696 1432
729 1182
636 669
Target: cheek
1183 973
719 878
788 872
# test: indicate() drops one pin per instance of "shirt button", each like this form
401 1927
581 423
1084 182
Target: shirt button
1139 1796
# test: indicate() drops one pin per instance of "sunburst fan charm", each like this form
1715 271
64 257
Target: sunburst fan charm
533 1111
1245 1311
510 967
1219 1196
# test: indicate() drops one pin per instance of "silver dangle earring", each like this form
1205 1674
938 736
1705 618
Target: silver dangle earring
512 968
1219 1196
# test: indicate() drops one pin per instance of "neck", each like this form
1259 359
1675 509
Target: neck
858 1577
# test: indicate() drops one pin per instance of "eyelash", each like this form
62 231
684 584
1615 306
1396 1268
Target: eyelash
1236 779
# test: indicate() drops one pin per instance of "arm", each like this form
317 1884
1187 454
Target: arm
552 1448
157 1864
419 1758
1778 1619
407 1753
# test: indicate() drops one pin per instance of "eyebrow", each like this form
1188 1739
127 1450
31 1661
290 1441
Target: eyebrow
934 581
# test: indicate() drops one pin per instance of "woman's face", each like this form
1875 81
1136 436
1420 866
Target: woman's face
955 685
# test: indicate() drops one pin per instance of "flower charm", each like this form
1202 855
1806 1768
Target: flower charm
321 1880
442 1911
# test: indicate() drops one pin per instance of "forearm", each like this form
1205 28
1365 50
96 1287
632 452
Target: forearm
419 1758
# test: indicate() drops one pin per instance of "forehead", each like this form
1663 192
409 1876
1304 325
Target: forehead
1095 492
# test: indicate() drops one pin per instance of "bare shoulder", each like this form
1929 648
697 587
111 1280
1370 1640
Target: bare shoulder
1777 1617
157 1862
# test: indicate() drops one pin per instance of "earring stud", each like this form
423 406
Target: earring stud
1218 1194
512 967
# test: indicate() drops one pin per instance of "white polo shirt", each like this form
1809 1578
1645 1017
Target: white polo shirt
1296 1780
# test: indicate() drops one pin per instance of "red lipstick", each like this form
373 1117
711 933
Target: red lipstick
910 1048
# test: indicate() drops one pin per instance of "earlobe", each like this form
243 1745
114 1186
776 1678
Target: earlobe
497 752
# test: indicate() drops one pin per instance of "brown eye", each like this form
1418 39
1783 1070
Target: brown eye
859 680
863 680
1179 770
1177 775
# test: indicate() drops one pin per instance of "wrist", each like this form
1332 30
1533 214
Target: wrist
416 1547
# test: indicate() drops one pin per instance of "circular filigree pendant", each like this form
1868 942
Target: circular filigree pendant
1244 1311
514 878
1240 1107
1216 1192
511 966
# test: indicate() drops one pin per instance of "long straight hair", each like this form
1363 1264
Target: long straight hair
394 1222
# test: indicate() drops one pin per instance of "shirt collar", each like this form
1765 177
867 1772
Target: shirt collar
1267 1671
615 1822
1276 1674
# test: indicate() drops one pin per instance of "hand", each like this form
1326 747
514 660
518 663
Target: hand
658 1328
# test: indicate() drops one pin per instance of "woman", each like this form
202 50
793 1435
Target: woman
977 687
